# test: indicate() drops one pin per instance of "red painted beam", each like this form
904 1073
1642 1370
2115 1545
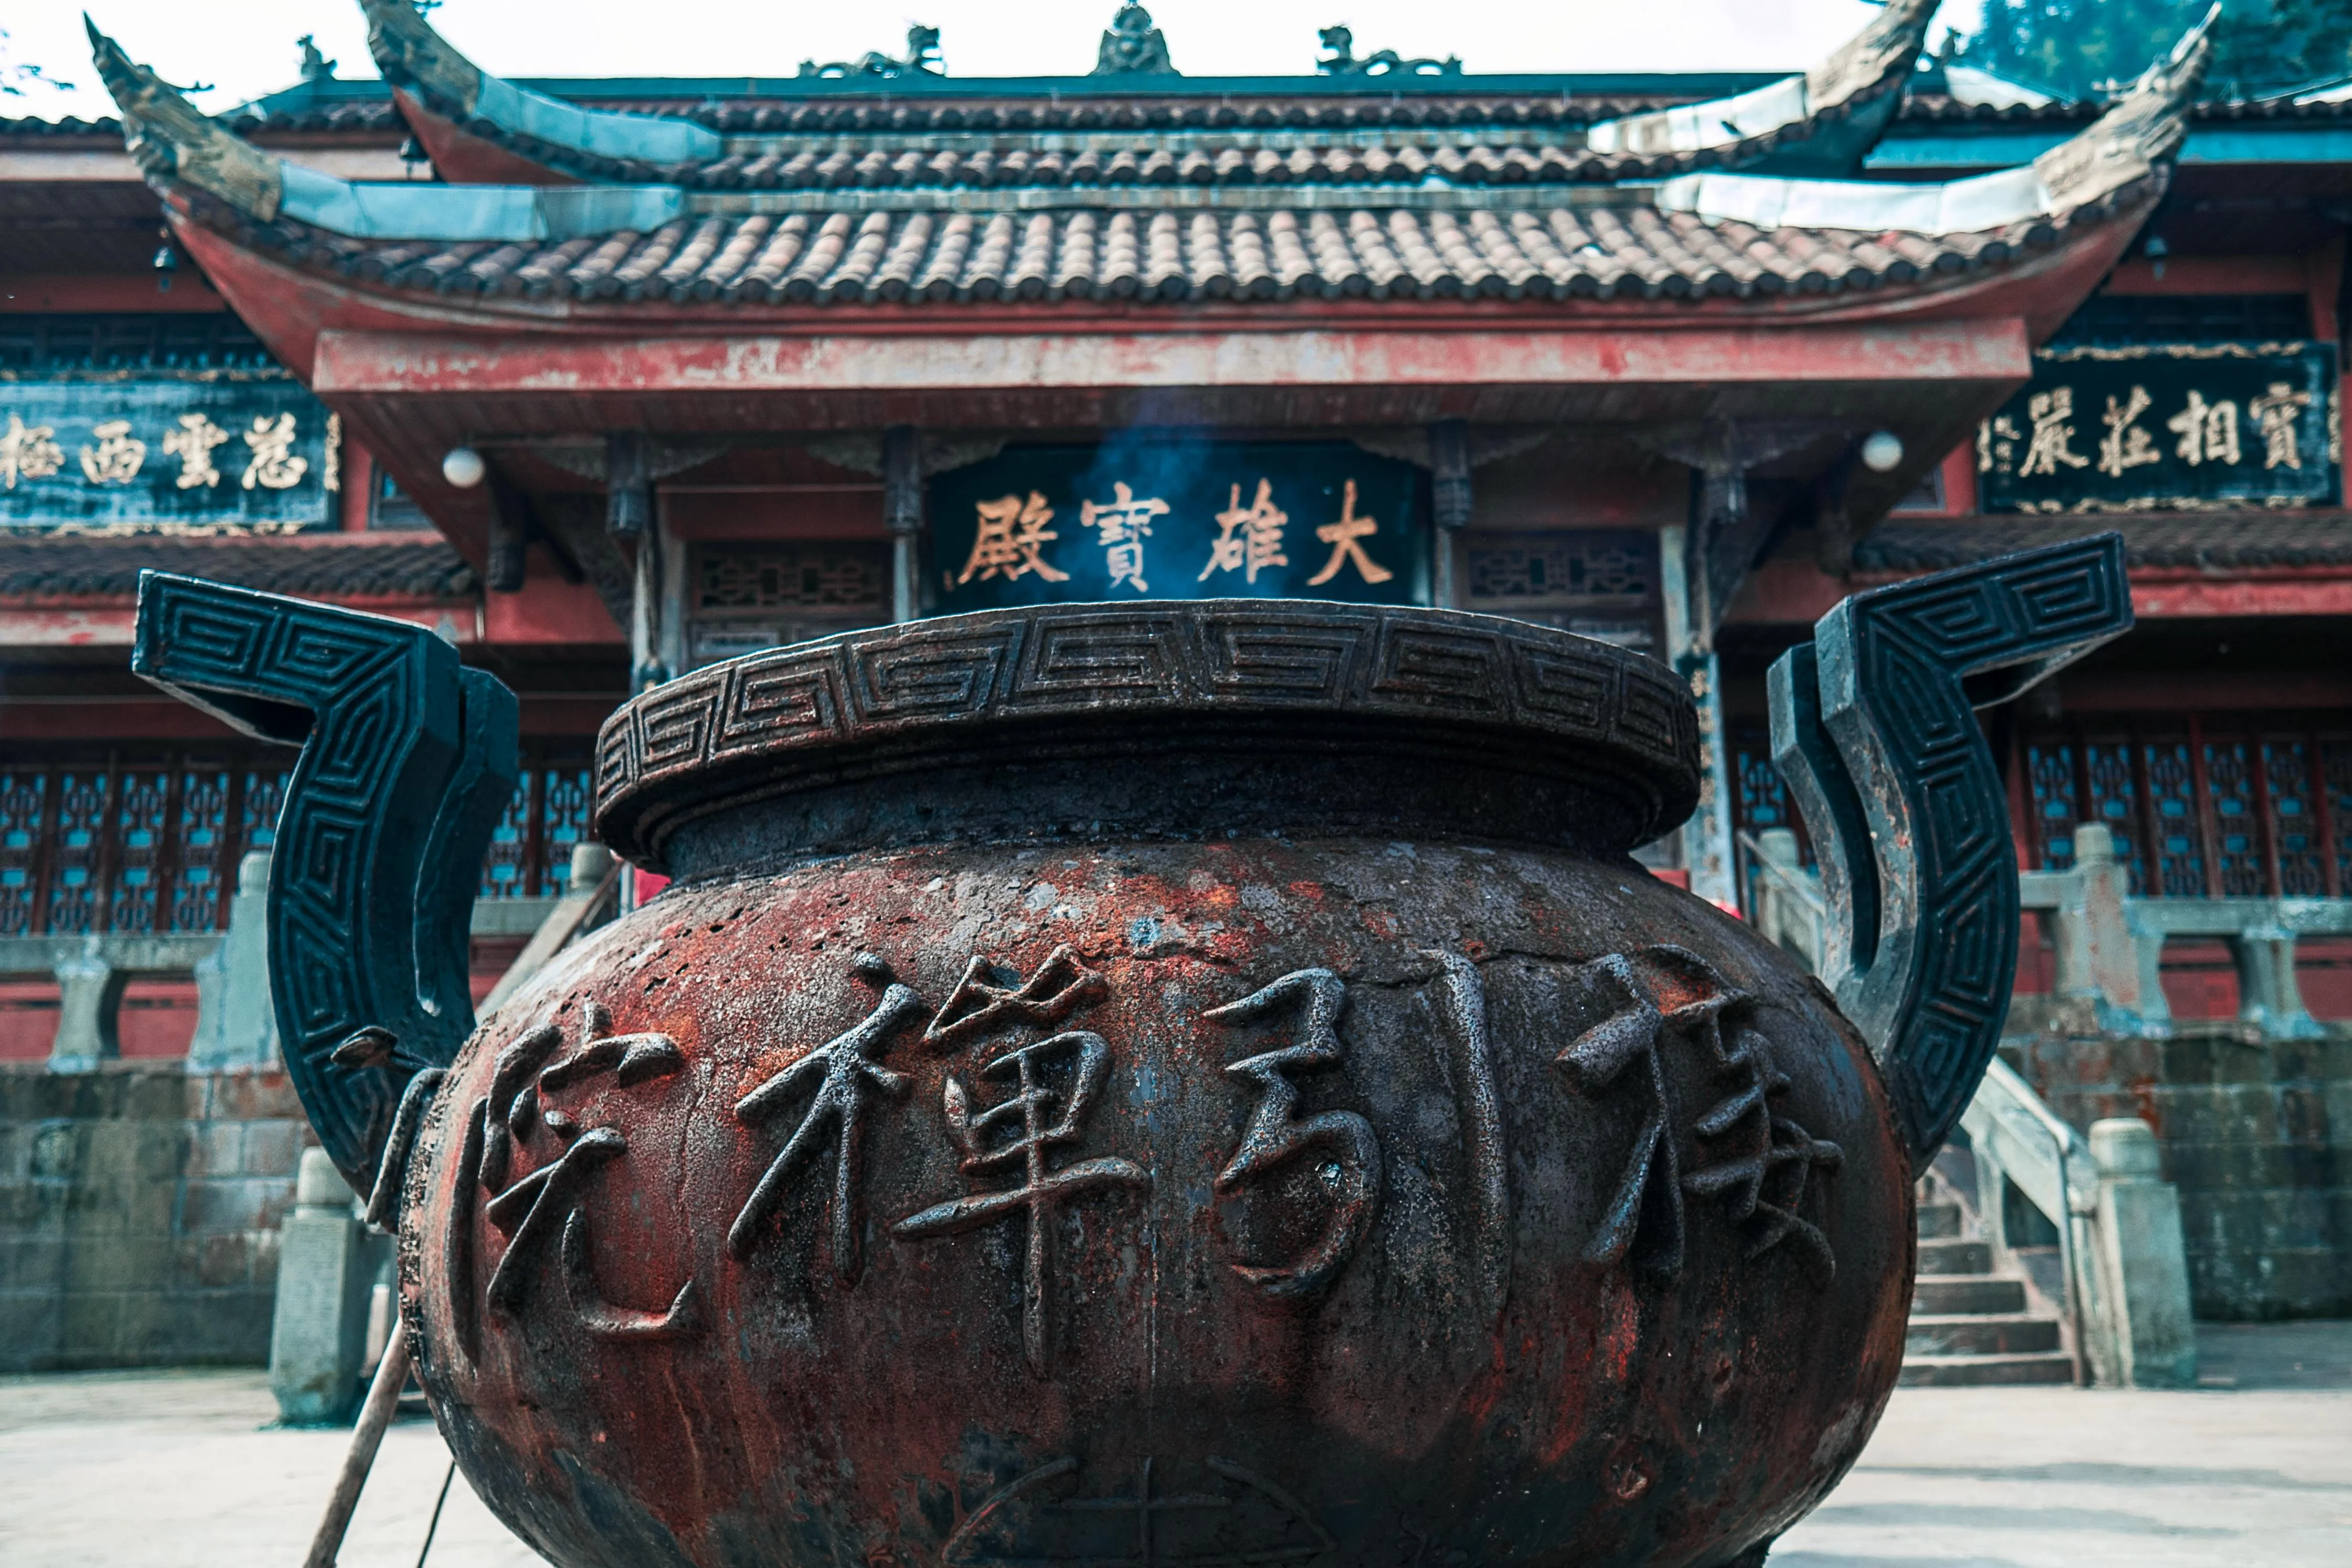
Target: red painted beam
379 363
189 293
461 158
2157 595
2210 275
549 612
108 622
1798 593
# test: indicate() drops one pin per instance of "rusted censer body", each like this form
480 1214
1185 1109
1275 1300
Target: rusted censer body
1149 1086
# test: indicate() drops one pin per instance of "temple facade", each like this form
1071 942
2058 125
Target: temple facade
607 379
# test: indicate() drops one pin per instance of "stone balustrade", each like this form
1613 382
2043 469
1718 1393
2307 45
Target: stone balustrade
235 1024
2122 1259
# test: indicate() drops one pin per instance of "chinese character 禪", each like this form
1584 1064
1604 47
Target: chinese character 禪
2280 409
115 459
1036 1132
1124 524
1008 535
2126 444
2050 411
1346 538
2208 431
1249 539
274 466
31 451
193 444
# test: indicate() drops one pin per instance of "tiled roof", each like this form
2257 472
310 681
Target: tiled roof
377 115
2205 540
1141 111
71 125
1854 90
1558 252
1145 163
105 565
1938 109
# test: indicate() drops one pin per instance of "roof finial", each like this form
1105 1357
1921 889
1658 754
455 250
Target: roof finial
1342 61
1133 46
922 59
316 67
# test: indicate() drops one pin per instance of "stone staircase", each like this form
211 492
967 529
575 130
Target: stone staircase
1972 1326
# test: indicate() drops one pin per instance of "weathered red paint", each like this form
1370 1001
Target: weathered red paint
189 293
464 159
2210 275
2283 592
550 611
1798 593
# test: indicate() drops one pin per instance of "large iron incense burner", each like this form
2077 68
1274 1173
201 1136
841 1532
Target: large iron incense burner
1194 1084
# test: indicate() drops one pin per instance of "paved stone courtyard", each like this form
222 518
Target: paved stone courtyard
182 1470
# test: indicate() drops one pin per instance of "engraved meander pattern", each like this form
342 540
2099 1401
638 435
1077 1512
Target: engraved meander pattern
1207 658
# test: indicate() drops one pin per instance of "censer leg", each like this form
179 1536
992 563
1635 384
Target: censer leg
382 1399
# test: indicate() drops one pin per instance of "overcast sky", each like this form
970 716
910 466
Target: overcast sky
246 47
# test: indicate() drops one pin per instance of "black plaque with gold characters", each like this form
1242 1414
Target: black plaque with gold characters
173 453
2179 426
1179 519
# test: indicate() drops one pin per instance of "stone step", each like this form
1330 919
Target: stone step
1954 1255
1938 1295
1979 1333
1986 1371
1938 1220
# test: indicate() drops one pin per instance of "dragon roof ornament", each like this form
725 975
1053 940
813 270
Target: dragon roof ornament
1873 64
416 59
1821 122
2138 135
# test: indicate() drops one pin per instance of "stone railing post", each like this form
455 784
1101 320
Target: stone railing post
327 1270
89 996
2108 958
2267 992
235 1024
2143 1270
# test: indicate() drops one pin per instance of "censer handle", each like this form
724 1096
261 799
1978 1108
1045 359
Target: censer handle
408 759
1875 732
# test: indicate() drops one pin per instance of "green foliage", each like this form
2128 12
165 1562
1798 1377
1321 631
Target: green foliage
15 78
2081 49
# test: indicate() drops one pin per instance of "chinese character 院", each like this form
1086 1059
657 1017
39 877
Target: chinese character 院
1346 538
31 451
115 458
1007 538
2126 444
193 444
2208 431
274 466
2050 411
1124 524
1249 539
2279 410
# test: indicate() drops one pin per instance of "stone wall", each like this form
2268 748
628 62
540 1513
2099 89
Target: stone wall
140 1204
2255 1133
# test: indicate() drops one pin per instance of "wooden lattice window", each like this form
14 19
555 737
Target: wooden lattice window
2201 806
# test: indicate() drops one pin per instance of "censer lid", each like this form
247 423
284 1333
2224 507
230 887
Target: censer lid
1150 686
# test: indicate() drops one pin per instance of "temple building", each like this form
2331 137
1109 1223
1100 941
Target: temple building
607 379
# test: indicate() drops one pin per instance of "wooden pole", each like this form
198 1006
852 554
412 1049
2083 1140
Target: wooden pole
382 1399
